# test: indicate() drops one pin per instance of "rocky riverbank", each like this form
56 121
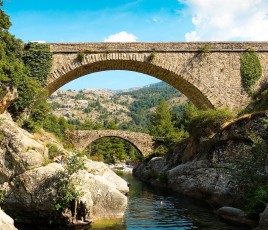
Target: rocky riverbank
200 168
121 167
29 182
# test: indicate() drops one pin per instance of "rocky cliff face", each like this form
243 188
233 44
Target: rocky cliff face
30 184
7 96
200 168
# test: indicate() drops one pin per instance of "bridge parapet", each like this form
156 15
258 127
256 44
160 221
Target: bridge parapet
104 47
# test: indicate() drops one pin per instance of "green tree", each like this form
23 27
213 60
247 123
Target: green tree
58 126
113 149
32 97
11 50
110 125
161 122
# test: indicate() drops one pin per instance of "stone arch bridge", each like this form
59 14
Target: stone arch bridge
207 73
142 141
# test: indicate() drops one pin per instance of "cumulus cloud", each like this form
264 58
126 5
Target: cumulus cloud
228 19
121 37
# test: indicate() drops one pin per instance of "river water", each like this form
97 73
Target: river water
154 208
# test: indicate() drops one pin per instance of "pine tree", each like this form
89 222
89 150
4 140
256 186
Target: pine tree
161 121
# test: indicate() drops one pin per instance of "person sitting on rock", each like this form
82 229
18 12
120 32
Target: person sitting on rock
56 159
62 159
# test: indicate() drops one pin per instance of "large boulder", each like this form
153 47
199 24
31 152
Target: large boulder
31 196
200 180
101 169
6 222
19 151
101 199
152 171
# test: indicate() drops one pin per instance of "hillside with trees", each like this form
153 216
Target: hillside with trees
127 109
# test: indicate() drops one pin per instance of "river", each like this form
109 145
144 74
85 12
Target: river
154 208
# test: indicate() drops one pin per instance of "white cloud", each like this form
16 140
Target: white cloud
228 19
156 19
192 36
121 37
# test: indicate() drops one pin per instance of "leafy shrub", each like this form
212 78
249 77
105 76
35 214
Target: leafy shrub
80 56
53 151
151 57
30 125
250 69
207 122
257 199
66 191
31 103
205 49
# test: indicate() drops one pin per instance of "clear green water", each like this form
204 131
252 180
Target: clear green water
153 208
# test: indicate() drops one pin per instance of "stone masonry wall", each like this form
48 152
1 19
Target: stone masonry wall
142 141
210 79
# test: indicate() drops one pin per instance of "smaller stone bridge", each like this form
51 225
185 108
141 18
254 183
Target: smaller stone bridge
142 141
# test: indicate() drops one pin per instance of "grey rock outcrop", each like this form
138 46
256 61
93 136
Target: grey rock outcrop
201 169
200 180
100 197
18 149
31 187
31 196
6 222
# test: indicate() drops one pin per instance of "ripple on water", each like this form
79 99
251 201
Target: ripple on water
156 212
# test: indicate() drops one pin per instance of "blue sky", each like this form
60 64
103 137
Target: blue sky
135 20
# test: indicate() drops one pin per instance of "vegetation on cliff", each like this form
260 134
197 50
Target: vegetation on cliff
38 58
250 69
31 106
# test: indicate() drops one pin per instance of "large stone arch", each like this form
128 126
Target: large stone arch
141 141
191 86
208 73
